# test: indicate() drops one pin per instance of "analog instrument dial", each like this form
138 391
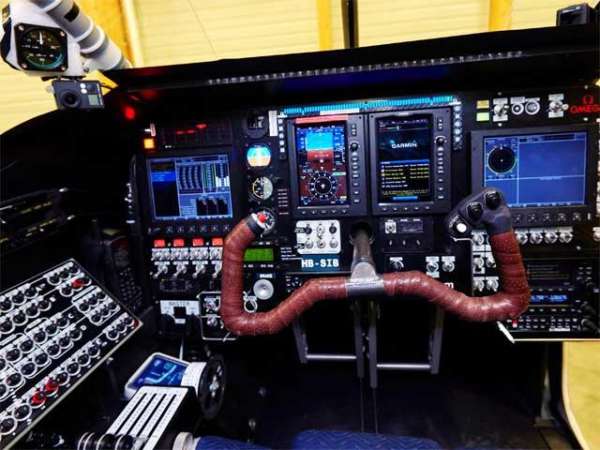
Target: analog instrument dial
262 188
42 49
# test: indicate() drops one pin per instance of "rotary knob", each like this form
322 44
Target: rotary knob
7 425
14 379
28 369
26 345
5 304
13 354
22 412
263 289
535 237
550 237
41 359
73 368
39 336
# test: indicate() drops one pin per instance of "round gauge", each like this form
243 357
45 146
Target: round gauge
501 159
258 155
256 124
262 188
42 49
322 185
271 220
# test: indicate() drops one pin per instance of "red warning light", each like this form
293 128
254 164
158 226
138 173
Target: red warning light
197 242
129 112
201 126
159 243
178 242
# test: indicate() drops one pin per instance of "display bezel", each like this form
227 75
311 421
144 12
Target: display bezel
538 215
354 131
439 182
180 227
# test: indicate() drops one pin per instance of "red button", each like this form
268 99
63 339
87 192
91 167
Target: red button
77 283
178 243
159 243
262 218
51 387
37 399
197 242
217 242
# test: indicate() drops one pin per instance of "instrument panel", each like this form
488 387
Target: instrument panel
395 165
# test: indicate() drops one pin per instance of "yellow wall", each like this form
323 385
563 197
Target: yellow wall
180 31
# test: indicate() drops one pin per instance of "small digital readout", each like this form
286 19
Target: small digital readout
404 146
259 254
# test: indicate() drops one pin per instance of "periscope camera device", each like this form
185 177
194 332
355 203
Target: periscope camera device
54 39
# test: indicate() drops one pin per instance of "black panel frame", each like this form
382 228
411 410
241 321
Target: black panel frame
524 216
435 205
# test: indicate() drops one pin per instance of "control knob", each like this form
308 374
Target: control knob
564 237
22 412
448 266
18 298
557 106
14 379
550 237
5 304
478 239
432 266
491 284
263 289
478 285
7 425
478 263
72 368
396 264
535 237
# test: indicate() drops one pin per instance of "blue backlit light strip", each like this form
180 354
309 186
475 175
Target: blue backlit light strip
367 105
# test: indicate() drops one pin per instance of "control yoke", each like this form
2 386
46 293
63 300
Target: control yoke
486 208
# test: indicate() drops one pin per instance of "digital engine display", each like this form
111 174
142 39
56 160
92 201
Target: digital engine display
537 170
192 188
322 165
404 165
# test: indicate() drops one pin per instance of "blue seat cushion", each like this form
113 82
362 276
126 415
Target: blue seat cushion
346 440
219 443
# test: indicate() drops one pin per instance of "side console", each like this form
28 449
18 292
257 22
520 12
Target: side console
55 329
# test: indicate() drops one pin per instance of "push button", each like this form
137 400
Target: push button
475 211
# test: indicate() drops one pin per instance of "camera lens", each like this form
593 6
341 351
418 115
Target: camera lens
70 99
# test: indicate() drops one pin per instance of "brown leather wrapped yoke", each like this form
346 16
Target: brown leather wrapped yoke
511 301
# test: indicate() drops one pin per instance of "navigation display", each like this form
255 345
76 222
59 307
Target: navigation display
193 188
537 169
322 165
404 165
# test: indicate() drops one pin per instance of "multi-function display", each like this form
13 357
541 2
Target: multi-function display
190 187
535 170
322 165
404 169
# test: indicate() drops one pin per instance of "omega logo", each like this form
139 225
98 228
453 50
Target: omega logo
588 106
